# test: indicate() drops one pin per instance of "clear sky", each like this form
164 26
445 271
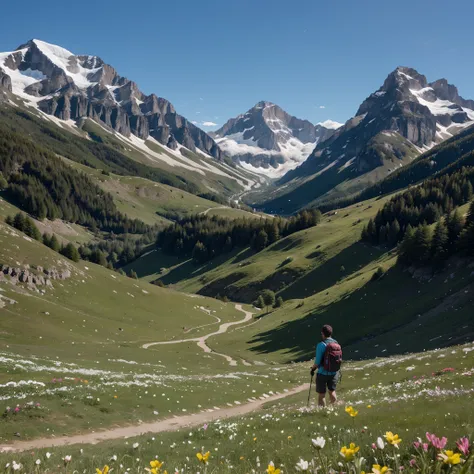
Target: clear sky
214 59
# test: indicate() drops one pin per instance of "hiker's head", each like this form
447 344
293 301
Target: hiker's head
326 331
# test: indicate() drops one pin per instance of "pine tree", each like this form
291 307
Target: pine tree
422 244
19 221
228 244
466 240
279 302
470 214
261 240
273 233
132 274
3 182
467 191
394 233
372 232
455 224
260 303
439 244
54 243
382 235
70 252
30 229
406 251
268 298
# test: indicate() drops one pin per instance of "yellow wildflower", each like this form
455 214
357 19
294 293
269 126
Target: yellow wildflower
255 439
348 453
289 437
393 439
104 471
115 396
203 457
450 457
242 458
350 411
155 464
272 470
378 469
369 406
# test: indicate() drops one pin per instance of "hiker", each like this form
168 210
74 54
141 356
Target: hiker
327 363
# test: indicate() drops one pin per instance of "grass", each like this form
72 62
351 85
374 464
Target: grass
140 198
400 394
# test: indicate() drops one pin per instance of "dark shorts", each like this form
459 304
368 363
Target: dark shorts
323 381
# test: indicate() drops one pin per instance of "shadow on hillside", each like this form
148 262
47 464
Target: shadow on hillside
244 254
189 269
347 262
378 319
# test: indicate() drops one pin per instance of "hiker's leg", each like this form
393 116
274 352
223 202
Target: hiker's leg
332 397
322 399
321 389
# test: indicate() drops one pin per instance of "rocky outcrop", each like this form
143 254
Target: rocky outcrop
34 277
78 87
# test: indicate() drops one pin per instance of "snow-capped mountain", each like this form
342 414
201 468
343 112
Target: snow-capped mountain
72 87
269 141
404 117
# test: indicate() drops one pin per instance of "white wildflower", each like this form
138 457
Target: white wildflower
319 442
302 465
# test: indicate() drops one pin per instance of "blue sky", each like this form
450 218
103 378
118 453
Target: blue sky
215 59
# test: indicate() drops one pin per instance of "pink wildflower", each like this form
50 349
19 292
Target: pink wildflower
463 445
412 462
436 442
17 409
374 446
204 427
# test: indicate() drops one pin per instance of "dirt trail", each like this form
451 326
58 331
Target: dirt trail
204 213
201 341
170 424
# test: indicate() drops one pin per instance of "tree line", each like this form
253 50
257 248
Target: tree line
204 237
44 186
420 205
453 234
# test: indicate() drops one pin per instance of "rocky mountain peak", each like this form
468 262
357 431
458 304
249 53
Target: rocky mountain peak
268 140
74 87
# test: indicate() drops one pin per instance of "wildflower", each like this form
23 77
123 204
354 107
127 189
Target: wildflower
104 471
155 467
255 439
436 442
203 457
289 437
272 470
319 442
67 459
302 465
351 412
369 406
393 439
412 462
380 443
48 455
16 466
135 445
463 445
204 427
38 462
450 457
114 458
348 453
377 469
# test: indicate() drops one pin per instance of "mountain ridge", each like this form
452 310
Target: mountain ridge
405 117
268 140
73 87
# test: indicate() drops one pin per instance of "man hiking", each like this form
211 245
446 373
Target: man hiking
327 362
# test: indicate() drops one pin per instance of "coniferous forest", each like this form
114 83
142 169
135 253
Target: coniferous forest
204 237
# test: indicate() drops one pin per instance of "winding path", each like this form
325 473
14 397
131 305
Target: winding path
201 341
169 424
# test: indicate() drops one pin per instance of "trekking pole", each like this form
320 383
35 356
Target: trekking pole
309 394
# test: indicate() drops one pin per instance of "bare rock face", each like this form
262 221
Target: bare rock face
267 137
78 87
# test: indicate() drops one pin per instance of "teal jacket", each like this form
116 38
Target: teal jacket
319 360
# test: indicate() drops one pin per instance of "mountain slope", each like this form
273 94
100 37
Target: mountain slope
405 117
269 141
72 87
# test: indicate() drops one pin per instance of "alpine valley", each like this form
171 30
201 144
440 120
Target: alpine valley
163 287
